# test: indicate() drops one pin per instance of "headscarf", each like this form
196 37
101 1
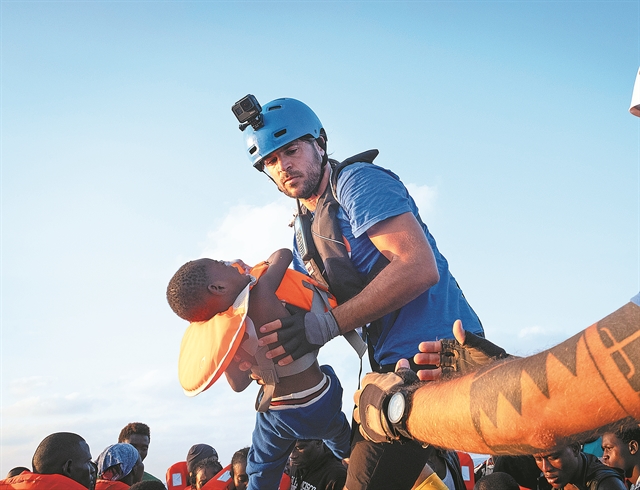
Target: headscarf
117 461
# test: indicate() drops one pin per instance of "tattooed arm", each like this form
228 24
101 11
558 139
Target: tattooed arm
553 398
526 405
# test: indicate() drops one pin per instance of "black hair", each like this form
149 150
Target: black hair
16 471
54 451
497 481
186 292
628 433
211 462
134 428
239 457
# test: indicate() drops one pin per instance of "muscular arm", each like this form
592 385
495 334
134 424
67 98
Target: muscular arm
411 271
522 406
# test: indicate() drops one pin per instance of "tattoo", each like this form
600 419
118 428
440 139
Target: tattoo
619 334
621 337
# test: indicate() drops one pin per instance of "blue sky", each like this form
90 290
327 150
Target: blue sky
121 160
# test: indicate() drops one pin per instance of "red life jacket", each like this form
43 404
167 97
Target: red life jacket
466 465
222 481
177 476
33 481
111 485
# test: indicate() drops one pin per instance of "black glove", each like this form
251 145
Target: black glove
305 332
476 351
372 404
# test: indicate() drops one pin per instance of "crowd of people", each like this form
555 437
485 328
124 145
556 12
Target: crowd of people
375 268
63 461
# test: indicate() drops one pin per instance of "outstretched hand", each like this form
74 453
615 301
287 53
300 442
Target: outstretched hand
292 337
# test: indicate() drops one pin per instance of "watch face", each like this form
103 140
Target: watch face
395 410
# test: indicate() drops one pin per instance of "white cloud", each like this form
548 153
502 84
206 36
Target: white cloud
425 197
252 233
30 384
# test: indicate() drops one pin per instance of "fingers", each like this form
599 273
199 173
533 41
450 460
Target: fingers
272 338
285 360
421 358
430 374
275 352
430 346
271 326
458 332
402 363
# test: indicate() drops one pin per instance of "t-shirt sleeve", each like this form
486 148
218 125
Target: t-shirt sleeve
369 194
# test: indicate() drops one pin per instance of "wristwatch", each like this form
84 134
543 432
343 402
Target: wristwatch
398 411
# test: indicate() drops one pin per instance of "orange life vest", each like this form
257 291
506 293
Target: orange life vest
111 485
208 347
222 481
177 476
33 481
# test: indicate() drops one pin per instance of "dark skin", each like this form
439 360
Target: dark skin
264 307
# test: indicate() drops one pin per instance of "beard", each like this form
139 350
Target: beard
311 181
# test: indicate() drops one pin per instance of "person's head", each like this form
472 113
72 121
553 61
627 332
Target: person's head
621 449
497 481
68 454
120 462
204 471
239 469
197 453
290 146
560 467
202 288
16 471
305 452
138 435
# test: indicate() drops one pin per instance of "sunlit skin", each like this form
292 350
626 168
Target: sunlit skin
240 477
614 451
559 467
296 168
623 455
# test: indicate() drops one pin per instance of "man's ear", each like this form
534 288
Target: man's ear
633 447
66 468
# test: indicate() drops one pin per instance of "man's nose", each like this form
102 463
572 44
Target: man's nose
284 163
546 466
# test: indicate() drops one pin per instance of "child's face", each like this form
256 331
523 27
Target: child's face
240 478
225 283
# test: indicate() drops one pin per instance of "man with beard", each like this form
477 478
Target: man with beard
359 231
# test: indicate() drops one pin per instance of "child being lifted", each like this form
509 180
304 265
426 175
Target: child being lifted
223 301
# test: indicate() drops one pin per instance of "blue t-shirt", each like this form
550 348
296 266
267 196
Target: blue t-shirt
369 194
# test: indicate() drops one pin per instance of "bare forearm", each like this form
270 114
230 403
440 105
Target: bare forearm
396 285
521 406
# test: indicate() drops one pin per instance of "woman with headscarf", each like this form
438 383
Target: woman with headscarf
119 467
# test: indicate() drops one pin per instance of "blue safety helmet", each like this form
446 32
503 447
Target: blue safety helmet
285 120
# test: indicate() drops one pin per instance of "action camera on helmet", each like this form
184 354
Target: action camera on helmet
247 112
